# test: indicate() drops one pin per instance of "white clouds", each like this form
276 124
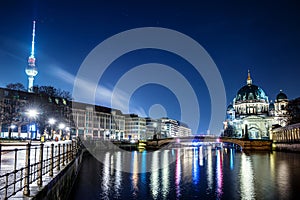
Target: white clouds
103 94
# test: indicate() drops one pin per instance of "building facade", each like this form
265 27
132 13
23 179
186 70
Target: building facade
15 108
77 119
174 128
135 127
92 121
252 115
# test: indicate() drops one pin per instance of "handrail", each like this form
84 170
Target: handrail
43 161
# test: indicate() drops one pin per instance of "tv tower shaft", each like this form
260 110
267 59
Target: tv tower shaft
31 69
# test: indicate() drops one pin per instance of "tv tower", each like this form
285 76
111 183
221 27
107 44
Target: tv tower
31 69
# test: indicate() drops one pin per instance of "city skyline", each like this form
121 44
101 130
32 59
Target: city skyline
238 37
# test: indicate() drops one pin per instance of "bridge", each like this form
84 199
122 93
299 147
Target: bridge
245 144
53 166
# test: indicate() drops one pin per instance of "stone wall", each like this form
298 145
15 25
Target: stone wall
257 145
286 147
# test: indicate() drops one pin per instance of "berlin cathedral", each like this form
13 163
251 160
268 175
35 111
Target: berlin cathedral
251 115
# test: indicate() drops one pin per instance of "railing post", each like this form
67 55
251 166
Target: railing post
73 149
51 160
15 168
40 170
6 186
58 158
26 190
63 155
68 153
34 167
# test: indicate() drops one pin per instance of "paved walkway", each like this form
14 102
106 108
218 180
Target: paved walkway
13 157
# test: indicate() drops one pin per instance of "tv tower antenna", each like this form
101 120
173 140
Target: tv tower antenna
31 69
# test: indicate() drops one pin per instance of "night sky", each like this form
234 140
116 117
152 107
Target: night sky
238 35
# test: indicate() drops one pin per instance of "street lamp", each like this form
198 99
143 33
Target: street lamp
11 128
61 126
51 121
32 114
67 132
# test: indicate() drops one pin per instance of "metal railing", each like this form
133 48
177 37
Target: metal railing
31 163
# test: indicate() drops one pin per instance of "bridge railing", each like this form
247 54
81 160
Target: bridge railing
31 163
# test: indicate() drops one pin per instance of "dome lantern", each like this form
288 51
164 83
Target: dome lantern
249 80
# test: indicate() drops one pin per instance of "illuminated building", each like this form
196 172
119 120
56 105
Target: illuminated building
92 121
174 128
135 127
252 115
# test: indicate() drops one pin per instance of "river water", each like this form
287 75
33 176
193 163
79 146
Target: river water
196 173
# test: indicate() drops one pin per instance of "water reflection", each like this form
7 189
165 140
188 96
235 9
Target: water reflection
246 178
134 172
177 173
231 158
144 167
154 178
196 166
219 173
118 175
209 168
201 156
236 176
165 175
283 180
106 177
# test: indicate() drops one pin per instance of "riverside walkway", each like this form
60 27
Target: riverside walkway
25 167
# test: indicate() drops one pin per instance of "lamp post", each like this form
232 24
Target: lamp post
67 132
61 126
32 114
11 128
51 121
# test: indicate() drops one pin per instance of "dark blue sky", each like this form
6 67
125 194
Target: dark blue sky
238 35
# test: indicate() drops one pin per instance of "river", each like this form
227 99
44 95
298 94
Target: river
194 173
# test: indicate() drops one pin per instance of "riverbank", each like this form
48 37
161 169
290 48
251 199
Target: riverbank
286 147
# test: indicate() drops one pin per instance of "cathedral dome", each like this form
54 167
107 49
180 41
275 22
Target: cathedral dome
251 92
281 96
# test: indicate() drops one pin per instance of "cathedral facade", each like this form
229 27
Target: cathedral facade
252 115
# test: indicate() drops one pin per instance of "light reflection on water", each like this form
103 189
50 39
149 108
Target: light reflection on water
202 173
106 177
154 179
247 178
165 175
178 173
209 169
219 173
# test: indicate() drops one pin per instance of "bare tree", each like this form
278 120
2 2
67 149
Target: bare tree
293 110
16 86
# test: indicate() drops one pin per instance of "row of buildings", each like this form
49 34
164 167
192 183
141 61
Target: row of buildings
252 115
79 119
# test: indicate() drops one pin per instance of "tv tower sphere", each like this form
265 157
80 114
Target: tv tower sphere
31 69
